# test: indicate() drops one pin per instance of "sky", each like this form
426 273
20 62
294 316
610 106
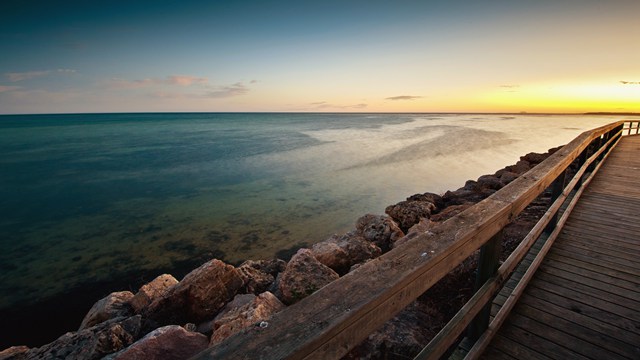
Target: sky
76 56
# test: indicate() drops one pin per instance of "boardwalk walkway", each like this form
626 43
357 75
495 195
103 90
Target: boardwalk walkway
584 300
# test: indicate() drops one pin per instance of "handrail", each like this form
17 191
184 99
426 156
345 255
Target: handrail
447 336
336 318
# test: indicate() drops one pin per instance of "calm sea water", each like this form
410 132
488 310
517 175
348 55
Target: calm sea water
92 198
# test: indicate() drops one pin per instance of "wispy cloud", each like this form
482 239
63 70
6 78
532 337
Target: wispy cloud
512 88
21 76
4 88
179 80
227 91
325 105
403 97
630 82
186 80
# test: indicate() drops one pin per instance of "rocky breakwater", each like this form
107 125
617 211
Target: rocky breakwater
171 319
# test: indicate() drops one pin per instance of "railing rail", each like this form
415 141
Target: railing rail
335 319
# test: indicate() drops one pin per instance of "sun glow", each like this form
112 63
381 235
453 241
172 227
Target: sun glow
566 97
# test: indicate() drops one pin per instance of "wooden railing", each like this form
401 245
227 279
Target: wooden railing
338 317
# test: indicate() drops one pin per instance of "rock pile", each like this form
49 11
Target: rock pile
171 319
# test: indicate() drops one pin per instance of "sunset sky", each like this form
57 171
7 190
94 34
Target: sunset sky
364 56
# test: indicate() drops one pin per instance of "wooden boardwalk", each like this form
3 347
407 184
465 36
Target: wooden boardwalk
584 300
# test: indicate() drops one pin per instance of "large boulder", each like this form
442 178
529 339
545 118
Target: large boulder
148 293
303 276
340 252
519 168
380 230
450 212
251 314
409 212
92 343
258 275
535 158
199 296
490 182
112 306
402 337
171 342
14 353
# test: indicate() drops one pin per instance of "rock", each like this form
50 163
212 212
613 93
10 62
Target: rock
520 167
14 353
341 252
148 293
380 230
534 158
199 296
470 185
258 275
450 212
238 301
428 197
303 276
402 337
423 226
248 315
408 213
461 196
506 177
112 306
171 342
91 343
489 182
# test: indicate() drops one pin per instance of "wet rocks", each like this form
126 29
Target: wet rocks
113 305
520 167
91 343
303 276
14 353
380 230
151 291
250 314
341 252
409 212
258 275
166 343
200 295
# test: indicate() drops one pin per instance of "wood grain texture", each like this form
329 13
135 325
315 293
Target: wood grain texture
585 298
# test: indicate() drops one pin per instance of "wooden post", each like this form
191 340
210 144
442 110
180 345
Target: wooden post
556 189
488 264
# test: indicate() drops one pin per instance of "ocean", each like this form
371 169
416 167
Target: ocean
92 203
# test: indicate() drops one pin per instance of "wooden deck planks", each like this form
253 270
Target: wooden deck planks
584 301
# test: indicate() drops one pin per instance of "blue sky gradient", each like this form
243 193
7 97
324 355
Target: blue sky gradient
111 56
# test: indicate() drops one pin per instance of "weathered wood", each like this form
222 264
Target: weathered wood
515 350
602 310
576 317
488 264
540 344
607 285
596 289
585 340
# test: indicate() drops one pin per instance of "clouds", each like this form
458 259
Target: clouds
236 89
323 105
180 80
630 82
172 86
22 76
8 88
403 98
